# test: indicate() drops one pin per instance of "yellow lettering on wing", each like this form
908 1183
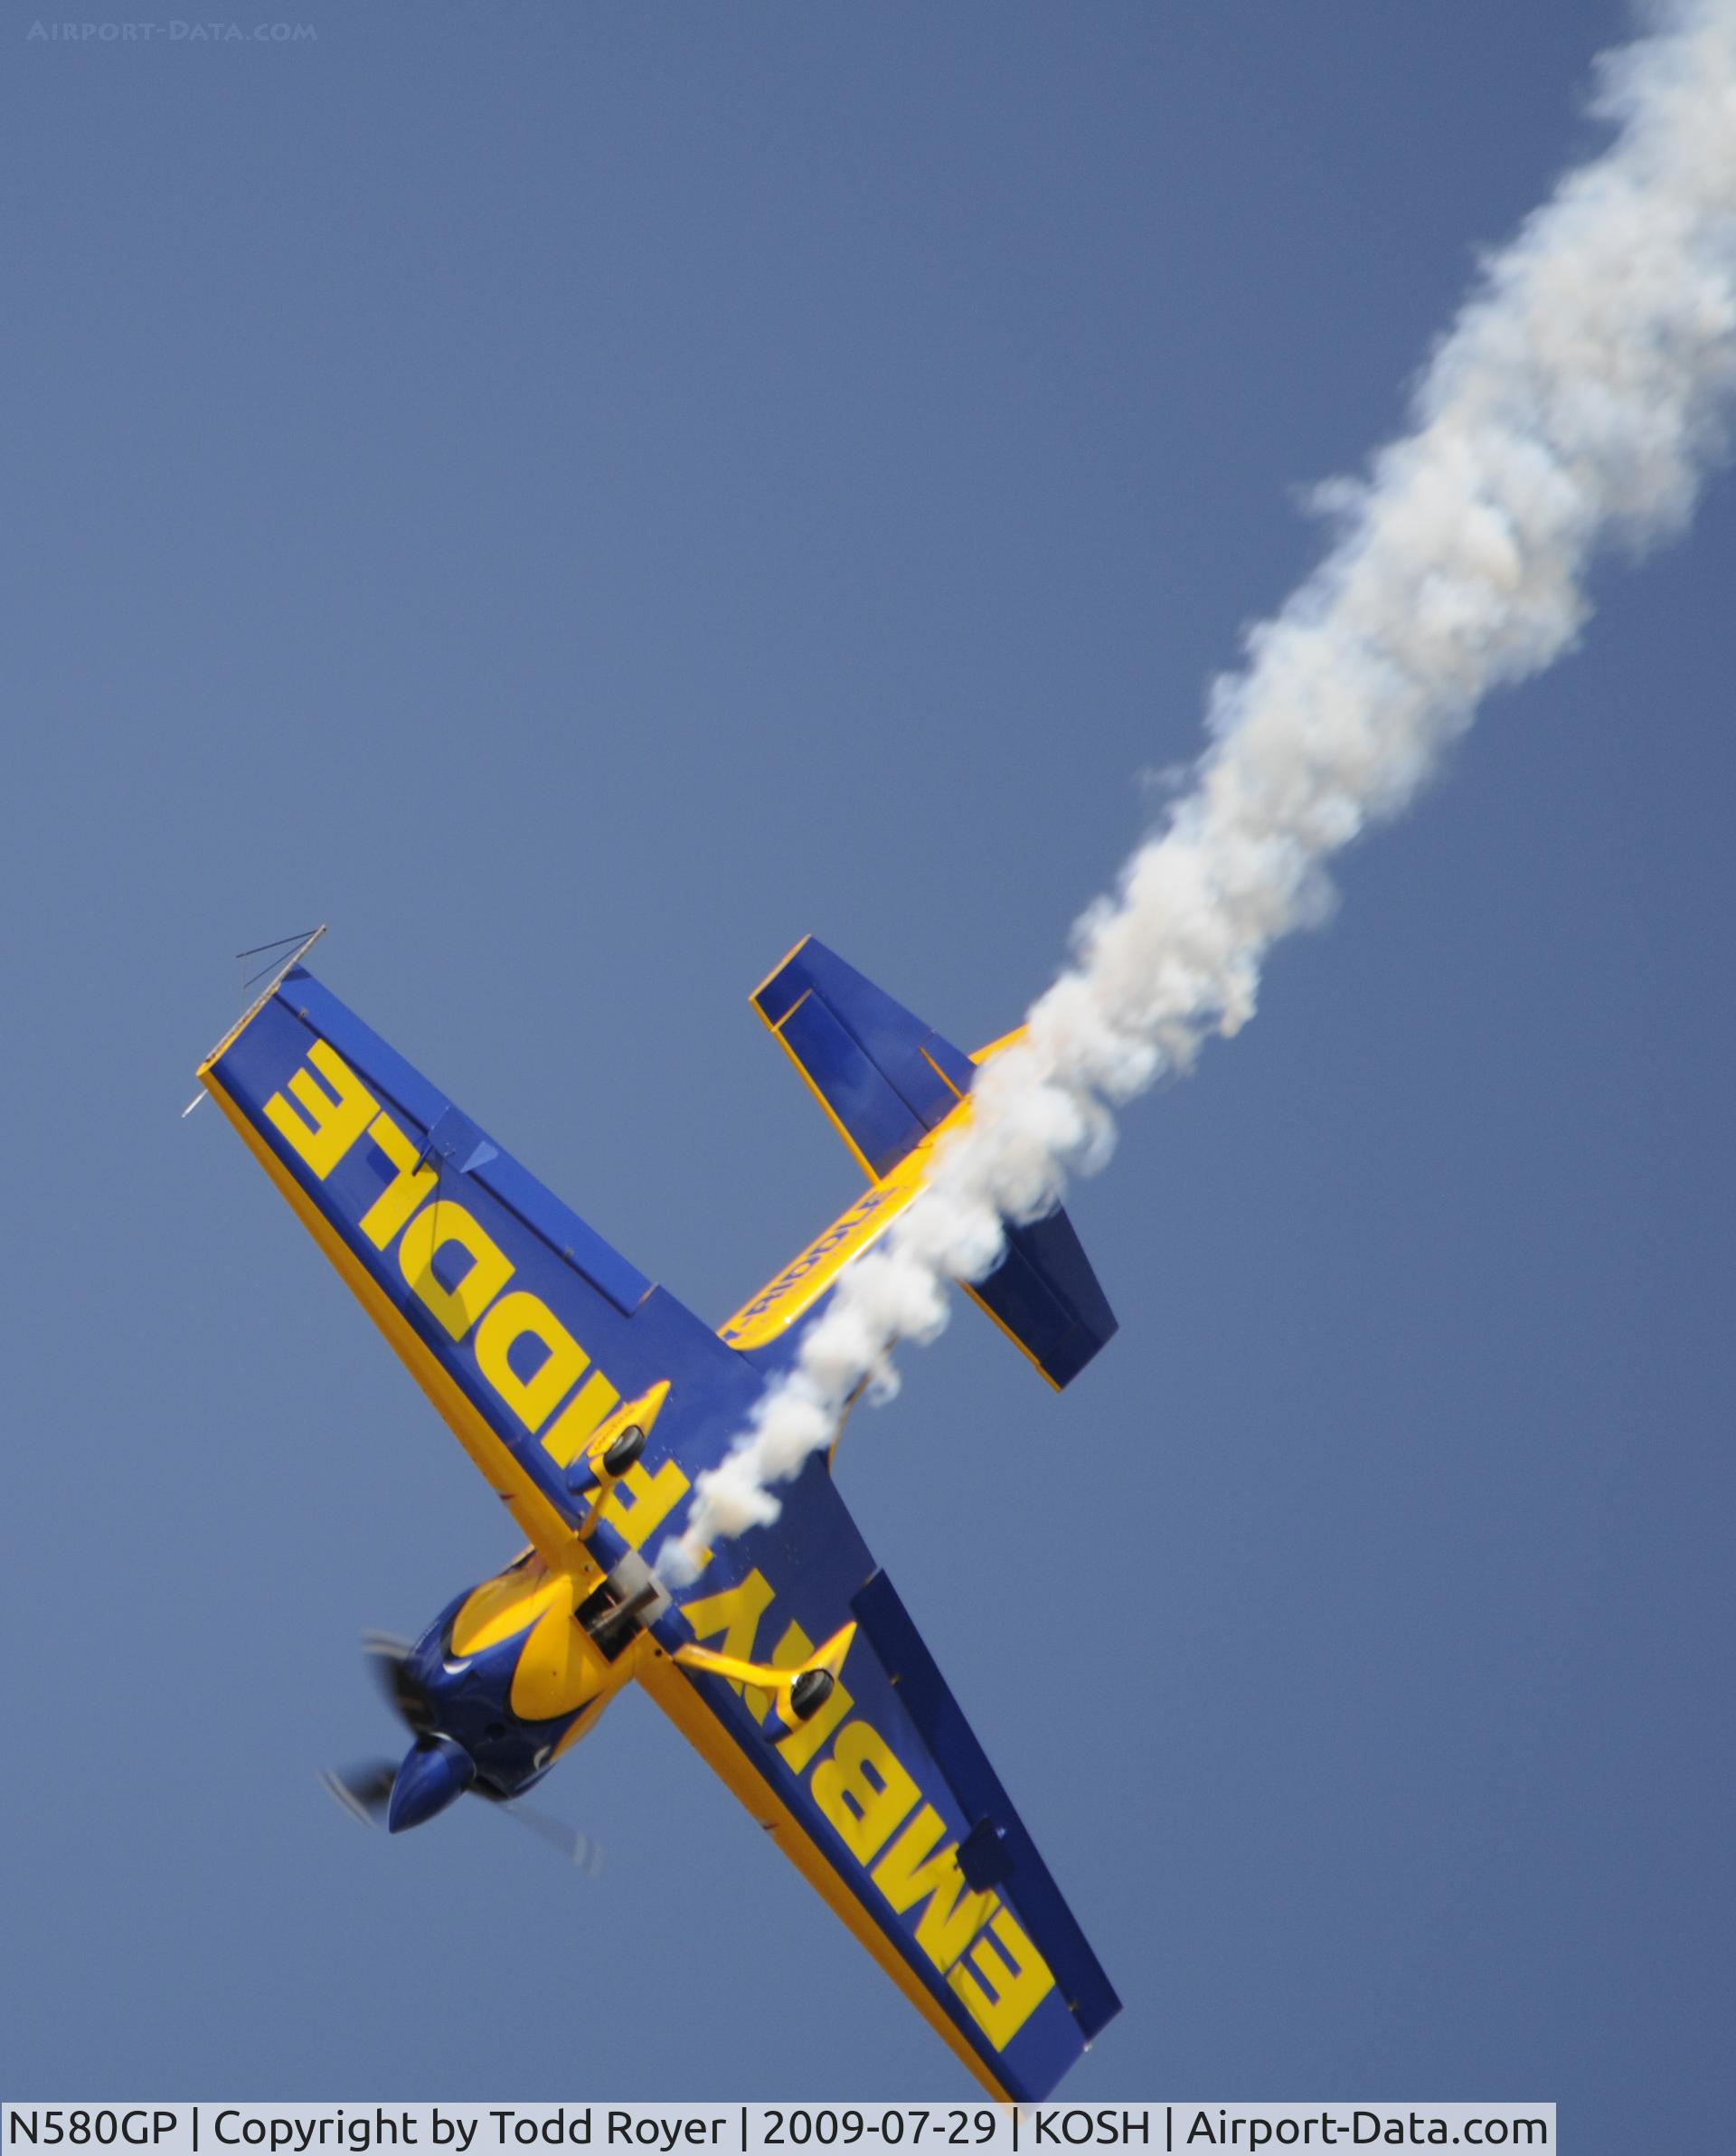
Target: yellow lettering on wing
590 1407
1000 1995
951 1917
323 1109
867 1793
518 1317
863 1789
641 1501
407 1188
735 1614
436 1227
334 1120
783 1300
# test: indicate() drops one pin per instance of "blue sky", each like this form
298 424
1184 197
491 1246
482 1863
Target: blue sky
578 497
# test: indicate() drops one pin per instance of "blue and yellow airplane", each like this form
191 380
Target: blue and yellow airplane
591 1400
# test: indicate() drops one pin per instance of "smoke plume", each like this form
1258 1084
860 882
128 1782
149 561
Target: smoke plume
1576 401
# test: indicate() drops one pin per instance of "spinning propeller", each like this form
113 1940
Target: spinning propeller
434 1770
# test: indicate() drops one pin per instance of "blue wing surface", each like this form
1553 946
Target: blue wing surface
885 1800
520 1321
528 1330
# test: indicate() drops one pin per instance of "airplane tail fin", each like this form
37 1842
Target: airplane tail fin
889 1082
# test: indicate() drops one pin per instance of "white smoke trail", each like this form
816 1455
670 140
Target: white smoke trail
1578 399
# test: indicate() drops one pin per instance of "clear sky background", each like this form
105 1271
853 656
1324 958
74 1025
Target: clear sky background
578 496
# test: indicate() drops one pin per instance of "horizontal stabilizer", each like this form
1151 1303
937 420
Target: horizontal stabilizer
890 1082
1044 1294
886 1080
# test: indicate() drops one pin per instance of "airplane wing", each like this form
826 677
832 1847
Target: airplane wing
523 1327
528 1332
883 1800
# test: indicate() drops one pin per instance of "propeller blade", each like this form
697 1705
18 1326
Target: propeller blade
577 1848
388 1659
363 1792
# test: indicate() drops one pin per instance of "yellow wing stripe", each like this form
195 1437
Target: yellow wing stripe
1011 1335
688 1712
800 943
538 1518
261 999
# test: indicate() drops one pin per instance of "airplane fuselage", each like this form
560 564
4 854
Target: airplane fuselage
511 1676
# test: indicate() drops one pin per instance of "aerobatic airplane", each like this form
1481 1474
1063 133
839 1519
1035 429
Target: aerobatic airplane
592 1401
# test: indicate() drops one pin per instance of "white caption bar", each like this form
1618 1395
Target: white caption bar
747 2129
